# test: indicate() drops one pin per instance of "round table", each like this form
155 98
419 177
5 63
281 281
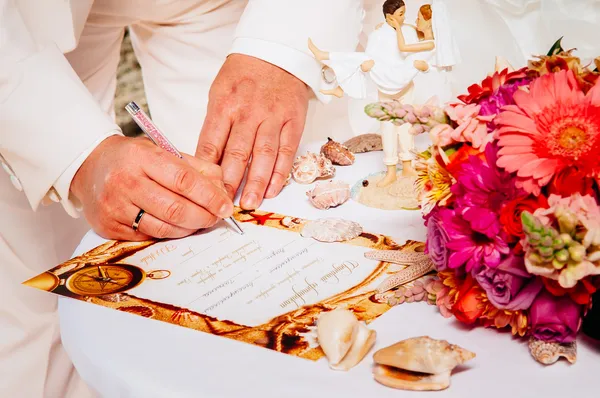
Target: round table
123 355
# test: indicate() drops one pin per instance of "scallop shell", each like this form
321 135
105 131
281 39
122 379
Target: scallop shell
331 230
337 153
184 316
419 363
329 194
344 340
364 143
307 168
548 353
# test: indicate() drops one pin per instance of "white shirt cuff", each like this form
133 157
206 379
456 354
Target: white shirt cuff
296 62
61 190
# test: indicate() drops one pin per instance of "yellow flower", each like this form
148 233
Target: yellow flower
433 181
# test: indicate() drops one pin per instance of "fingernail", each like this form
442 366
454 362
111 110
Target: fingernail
250 201
272 191
226 211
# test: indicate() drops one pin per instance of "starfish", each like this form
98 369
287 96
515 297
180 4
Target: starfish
418 264
261 219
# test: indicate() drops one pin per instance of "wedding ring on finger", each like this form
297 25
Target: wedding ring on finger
138 219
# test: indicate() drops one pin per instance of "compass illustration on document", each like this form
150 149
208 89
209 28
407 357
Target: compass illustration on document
98 280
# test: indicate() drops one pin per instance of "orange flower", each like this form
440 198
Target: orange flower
459 157
565 60
517 320
469 305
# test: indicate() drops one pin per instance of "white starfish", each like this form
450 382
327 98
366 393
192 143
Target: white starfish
418 264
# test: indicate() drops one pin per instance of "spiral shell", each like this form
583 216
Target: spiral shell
337 153
307 168
329 194
548 353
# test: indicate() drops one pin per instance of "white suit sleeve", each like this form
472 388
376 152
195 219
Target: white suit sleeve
277 31
50 122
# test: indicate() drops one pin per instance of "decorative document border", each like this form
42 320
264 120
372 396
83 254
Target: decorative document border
284 333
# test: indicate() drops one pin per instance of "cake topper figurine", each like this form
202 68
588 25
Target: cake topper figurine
398 57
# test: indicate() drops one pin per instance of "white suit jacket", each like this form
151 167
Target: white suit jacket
49 122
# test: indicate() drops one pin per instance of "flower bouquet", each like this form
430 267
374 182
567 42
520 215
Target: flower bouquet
510 195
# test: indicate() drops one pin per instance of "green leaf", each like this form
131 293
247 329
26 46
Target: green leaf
556 47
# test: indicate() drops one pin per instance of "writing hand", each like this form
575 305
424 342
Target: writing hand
123 175
255 111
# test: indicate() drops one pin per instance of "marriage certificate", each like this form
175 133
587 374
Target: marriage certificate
265 287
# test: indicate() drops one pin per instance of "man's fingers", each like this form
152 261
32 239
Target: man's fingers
214 133
181 178
152 226
237 154
291 133
121 231
171 208
207 169
264 155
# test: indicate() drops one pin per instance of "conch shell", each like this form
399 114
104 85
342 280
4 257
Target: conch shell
344 340
337 153
548 353
419 364
307 168
329 194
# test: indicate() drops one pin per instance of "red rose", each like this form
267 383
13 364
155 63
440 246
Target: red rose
581 293
570 181
469 307
510 214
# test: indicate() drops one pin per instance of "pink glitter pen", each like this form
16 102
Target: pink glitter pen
150 129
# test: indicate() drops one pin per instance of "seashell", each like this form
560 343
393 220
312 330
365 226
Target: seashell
548 353
307 168
344 340
331 230
114 298
419 363
290 221
337 153
182 316
329 194
141 310
364 143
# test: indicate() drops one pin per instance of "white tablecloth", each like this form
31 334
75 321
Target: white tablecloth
123 355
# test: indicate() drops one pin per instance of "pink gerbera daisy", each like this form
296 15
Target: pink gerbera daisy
551 127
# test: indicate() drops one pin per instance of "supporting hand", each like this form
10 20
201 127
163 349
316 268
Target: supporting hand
421 65
255 110
123 175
